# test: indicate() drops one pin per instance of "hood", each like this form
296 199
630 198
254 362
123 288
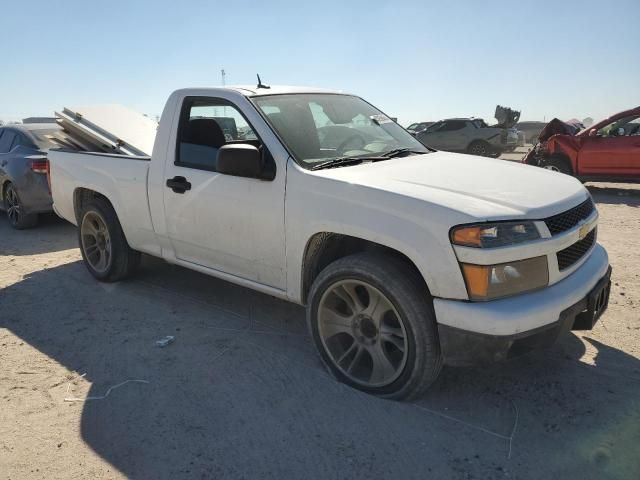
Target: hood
479 187
555 127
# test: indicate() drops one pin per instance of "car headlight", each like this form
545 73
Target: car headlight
488 282
490 235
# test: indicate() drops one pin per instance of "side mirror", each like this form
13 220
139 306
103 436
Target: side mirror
620 132
239 160
593 132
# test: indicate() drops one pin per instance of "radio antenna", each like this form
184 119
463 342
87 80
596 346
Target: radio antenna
260 84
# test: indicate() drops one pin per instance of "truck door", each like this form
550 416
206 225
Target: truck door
613 151
226 223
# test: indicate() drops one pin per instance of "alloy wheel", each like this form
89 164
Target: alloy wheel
479 150
12 204
96 242
362 333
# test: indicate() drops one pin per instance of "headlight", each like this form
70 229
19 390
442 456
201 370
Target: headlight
488 282
489 235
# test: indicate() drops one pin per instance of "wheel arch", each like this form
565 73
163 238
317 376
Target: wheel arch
561 156
82 196
323 248
3 187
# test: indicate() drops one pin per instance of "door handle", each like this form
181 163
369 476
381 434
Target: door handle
178 184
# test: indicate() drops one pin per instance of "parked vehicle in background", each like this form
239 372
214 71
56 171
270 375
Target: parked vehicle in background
416 128
23 167
514 140
608 151
531 130
405 258
473 135
467 135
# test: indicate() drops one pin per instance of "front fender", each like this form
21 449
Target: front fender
565 145
398 222
440 271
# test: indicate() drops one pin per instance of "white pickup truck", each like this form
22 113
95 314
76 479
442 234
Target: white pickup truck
406 258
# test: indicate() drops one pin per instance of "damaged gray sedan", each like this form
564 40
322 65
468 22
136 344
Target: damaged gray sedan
473 135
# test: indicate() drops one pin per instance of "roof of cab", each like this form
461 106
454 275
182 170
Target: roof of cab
254 91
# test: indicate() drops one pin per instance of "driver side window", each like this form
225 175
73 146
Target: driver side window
206 124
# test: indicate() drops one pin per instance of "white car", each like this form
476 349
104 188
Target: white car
405 258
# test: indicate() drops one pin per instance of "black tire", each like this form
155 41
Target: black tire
123 260
480 148
15 210
557 163
414 306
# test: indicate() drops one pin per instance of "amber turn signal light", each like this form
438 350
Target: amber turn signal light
477 279
467 236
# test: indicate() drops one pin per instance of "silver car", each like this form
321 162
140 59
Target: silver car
467 135
23 172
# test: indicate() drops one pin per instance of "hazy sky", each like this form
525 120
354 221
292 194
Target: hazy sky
417 60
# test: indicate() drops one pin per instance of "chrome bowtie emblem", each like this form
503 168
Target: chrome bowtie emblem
584 230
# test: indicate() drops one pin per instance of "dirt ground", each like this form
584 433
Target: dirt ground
241 394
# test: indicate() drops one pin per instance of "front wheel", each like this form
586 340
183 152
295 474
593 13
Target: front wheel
104 248
557 163
374 326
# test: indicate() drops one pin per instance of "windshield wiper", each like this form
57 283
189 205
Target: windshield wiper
340 162
397 152
344 161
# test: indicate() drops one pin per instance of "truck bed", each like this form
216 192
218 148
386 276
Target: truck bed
120 178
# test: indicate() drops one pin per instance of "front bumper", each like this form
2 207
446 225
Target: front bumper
502 328
464 348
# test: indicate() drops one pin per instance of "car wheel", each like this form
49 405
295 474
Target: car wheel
16 214
104 248
557 163
373 324
479 148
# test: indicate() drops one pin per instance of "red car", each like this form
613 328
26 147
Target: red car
607 151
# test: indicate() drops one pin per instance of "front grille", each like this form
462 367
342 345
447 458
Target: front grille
575 252
567 220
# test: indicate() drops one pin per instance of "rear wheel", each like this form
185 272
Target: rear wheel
16 214
104 248
374 326
479 148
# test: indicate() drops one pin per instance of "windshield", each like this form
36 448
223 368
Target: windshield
320 127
